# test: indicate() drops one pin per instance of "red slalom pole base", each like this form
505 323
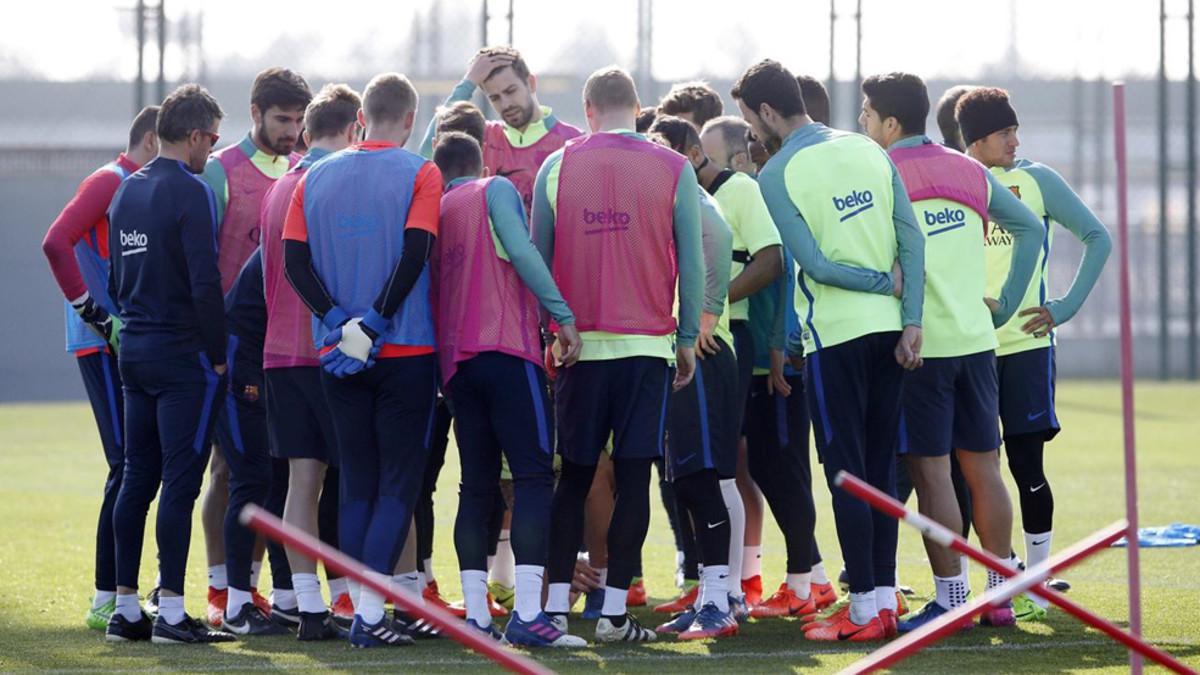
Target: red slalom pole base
261 521
941 535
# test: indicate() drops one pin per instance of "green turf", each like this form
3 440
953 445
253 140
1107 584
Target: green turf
51 473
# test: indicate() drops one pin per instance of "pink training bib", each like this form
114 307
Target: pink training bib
480 303
932 171
288 342
239 233
614 243
520 165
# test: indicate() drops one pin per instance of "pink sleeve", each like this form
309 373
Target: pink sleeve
85 210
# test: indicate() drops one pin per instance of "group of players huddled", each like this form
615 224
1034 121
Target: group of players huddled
674 288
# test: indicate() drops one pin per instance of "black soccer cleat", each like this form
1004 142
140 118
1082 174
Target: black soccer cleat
317 626
120 629
189 631
251 621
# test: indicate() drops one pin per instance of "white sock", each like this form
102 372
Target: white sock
994 579
614 601
284 598
217 578
475 590
558 600
737 527
237 598
428 565
885 598
603 573
862 607
128 607
101 598
951 591
714 587
158 579
818 574
504 569
752 562
336 587
1037 551
491 561
410 583
355 592
528 602
170 608
369 606
308 592
422 581
801 584
255 573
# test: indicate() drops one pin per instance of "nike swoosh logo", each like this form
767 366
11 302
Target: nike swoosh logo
847 636
1032 417
712 525
1035 489
1039 543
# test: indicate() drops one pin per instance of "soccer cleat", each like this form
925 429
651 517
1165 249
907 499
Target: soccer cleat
738 609
540 632
823 595
342 611
844 580
489 630
753 590
887 617
998 617
848 631
380 634
151 603
637 594
217 599
839 613
251 621
930 612
559 620
459 608
433 596
785 602
678 623
120 629
682 602
418 629
260 602
592 604
495 608
504 596
288 618
628 631
318 626
1025 609
97 617
1060 585
189 631
901 604
710 622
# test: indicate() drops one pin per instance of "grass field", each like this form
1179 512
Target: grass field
51 473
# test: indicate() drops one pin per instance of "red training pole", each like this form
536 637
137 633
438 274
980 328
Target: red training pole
258 519
1131 505
942 535
950 623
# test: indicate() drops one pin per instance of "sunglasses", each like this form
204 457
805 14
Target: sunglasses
212 137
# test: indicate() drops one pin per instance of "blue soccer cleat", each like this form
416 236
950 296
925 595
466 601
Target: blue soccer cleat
930 612
540 632
710 622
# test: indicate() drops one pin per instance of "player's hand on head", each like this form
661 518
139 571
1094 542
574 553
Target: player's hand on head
571 345
706 342
776 381
483 64
908 348
1041 322
685 367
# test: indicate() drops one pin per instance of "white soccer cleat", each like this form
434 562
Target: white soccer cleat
630 631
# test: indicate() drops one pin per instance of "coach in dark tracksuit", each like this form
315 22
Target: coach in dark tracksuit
164 279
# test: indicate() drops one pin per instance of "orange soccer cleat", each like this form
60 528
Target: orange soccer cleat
681 603
785 602
823 595
637 594
848 631
217 599
433 596
752 587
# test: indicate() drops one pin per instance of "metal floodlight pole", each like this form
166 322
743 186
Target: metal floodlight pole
510 22
161 88
1164 241
1193 355
831 83
857 60
139 20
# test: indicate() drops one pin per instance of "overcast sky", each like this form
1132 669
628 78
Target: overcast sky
71 39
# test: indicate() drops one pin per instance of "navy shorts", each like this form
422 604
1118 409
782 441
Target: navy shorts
102 380
298 420
1027 393
951 404
623 397
743 344
702 416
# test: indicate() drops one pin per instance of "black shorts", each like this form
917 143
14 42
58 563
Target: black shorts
1027 393
951 404
743 344
701 418
623 397
298 422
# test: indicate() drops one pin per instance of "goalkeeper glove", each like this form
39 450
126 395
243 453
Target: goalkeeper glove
355 344
107 326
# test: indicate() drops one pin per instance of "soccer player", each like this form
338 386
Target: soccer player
1025 362
528 132
488 280
76 246
702 445
356 238
167 288
845 223
239 176
298 417
697 102
613 252
951 135
950 404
